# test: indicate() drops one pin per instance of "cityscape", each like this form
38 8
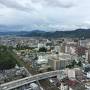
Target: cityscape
28 63
44 45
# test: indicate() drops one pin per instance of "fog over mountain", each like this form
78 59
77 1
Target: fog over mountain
78 33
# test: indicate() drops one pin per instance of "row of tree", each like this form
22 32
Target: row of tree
74 64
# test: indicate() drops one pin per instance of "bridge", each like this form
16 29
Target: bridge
28 80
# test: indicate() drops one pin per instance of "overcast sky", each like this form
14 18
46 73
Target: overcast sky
45 14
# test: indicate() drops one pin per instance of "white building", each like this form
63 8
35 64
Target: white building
42 60
64 86
34 86
41 45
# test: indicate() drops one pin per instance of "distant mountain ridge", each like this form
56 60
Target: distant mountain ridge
79 33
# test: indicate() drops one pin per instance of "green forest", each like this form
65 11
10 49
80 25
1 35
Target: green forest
7 61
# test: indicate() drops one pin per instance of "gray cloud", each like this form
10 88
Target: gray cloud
47 14
19 6
55 3
58 3
15 5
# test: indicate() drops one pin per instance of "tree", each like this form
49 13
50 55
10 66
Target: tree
74 63
79 63
49 69
42 49
7 61
69 66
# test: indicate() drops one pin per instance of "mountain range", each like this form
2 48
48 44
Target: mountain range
79 33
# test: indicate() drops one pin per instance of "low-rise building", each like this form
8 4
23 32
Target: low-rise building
75 73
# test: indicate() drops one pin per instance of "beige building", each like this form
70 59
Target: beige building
60 61
75 73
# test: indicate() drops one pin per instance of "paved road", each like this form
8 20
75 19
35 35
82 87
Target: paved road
27 80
